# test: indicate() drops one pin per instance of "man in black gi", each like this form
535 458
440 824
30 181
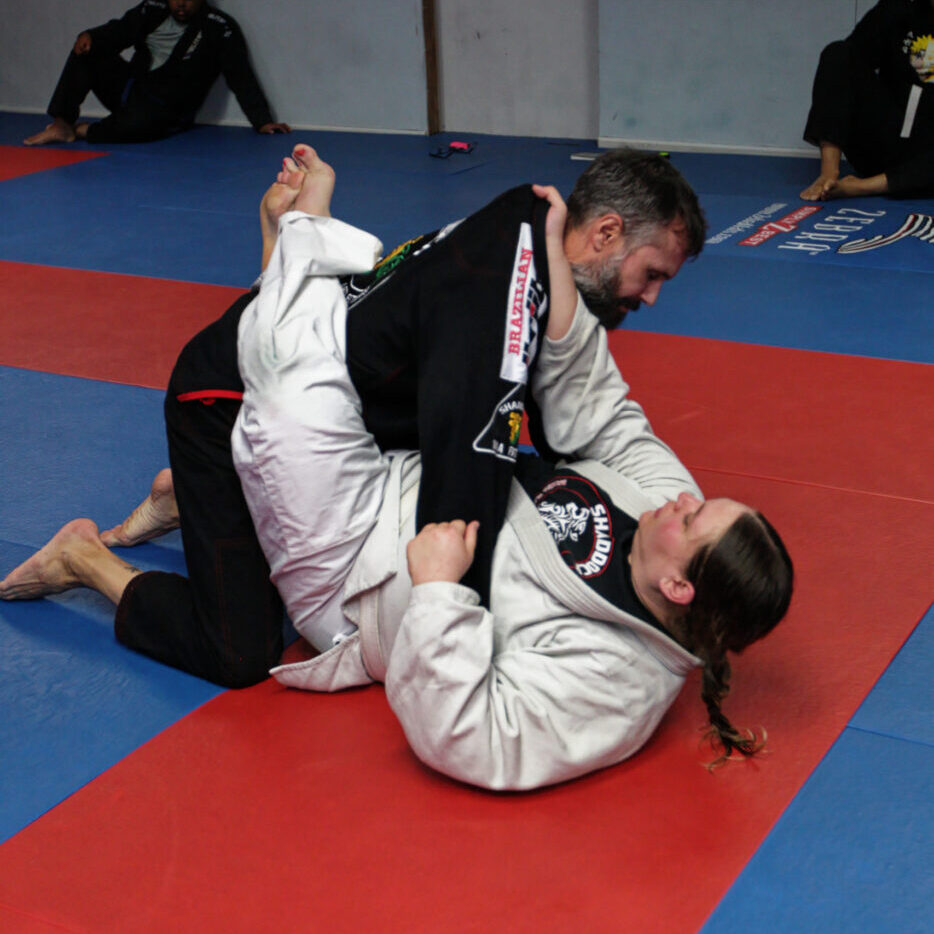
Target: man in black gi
180 47
440 337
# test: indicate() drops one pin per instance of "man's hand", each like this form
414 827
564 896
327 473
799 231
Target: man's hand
270 128
442 551
82 44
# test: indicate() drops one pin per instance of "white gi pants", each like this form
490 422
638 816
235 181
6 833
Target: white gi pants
312 475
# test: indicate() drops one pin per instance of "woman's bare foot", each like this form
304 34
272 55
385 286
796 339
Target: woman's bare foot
154 516
280 197
58 131
819 189
52 569
317 184
304 183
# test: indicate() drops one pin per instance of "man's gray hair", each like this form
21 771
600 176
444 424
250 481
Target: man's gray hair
645 190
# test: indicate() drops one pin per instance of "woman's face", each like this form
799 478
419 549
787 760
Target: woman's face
668 537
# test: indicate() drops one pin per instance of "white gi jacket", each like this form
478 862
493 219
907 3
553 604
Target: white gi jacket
552 681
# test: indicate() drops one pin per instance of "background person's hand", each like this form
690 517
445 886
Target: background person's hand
82 44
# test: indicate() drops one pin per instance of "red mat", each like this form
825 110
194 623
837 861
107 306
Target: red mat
849 423
271 810
22 160
125 329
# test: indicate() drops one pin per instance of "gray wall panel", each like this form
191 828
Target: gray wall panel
727 74
527 69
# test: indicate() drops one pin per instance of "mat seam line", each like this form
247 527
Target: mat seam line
38 917
815 485
902 739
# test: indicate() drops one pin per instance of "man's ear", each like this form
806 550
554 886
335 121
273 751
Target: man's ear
607 231
676 590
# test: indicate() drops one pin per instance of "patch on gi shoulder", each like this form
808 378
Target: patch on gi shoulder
362 285
525 306
500 435
579 521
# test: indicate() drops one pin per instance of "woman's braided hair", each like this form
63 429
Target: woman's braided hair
742 588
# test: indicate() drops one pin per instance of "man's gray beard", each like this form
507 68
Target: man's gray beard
598 286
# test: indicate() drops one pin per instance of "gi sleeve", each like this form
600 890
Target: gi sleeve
517 716
587 413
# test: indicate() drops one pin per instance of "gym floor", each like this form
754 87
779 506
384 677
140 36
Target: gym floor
790 366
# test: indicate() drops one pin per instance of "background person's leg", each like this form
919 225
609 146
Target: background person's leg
134 120
105 75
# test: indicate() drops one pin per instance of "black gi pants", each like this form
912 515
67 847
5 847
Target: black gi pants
224 621
134 117
853 109
426 343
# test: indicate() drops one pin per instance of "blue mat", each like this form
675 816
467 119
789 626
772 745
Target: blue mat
203 187
73 447
901 705
868 312
74 700
853 852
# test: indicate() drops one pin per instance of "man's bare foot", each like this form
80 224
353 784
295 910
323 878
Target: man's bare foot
52 568
318 183
58 131
81 130
154 516
818 190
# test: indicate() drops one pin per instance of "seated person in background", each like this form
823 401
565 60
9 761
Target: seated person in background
873 102
180 47
611 578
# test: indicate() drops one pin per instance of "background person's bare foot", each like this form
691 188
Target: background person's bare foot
51 569
818 190
851 186
81 130
154 516
58 131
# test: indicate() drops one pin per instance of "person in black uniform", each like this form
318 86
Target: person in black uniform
873 102
180 48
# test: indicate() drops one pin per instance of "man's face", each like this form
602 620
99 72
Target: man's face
183 10
621 280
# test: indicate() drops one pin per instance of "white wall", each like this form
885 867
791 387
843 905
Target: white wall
348 63
730 74
518 69
34 43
